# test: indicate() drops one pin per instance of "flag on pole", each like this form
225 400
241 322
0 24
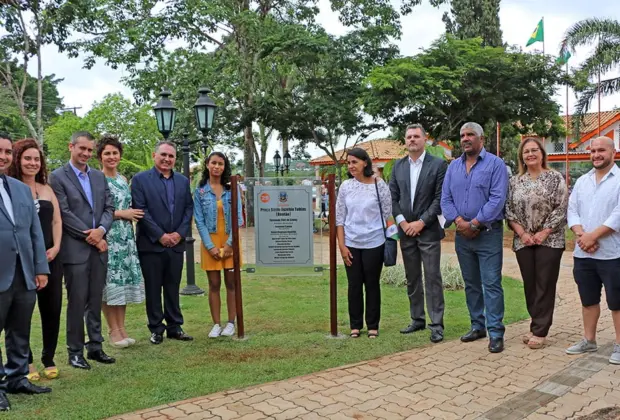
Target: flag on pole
564 55
538 35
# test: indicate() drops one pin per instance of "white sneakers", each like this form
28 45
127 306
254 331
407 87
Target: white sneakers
216 331
227 331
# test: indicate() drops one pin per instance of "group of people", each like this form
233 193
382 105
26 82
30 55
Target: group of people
78 223
474 193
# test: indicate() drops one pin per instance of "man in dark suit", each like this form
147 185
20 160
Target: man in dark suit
24 271
416 194
166 200
87 213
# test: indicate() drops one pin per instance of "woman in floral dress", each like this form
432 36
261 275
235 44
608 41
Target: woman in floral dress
124 282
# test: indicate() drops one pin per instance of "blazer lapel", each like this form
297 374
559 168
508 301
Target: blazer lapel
73 177
3 208
406 169
426 166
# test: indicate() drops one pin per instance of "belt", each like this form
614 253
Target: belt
496 225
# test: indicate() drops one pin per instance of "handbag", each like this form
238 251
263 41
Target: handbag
390 251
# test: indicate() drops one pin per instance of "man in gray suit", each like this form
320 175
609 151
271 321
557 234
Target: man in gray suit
416 194
24 271
87 213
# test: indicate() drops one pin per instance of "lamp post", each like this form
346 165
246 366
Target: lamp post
165 114
276 161
287 162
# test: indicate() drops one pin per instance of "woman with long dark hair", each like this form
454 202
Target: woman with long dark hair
212 214
362 201
29 167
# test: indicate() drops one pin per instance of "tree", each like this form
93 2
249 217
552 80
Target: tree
132 123
29 25
605 33
474 19
456 81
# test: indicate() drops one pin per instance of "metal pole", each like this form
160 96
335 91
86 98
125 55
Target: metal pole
567 130
333 284
191 288
234 219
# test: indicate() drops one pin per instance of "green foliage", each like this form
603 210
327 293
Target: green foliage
475 19
133 124
450 274
455 81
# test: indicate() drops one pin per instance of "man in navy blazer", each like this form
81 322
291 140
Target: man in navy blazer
24 271
165 198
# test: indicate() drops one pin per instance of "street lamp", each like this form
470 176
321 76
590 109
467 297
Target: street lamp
276 161
165 114
287 162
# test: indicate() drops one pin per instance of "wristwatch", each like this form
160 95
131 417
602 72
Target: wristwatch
473 227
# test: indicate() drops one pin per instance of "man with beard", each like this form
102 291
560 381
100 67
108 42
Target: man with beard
473 196
416 192
24 271
594 217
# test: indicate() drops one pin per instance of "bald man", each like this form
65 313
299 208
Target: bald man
594 217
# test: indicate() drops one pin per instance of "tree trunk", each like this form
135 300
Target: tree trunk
248 151
39 78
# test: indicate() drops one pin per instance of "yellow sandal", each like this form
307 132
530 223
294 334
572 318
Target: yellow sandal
33 377
51 372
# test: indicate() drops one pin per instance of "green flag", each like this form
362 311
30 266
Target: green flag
538 35
564 56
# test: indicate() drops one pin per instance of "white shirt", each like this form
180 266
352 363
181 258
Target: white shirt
357 210
591 205
415 167
8 204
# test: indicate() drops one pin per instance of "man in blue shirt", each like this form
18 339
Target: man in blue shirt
473 196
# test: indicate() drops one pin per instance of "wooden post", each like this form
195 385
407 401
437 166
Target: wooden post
333 274
498 138
236 260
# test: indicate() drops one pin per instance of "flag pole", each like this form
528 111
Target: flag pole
543 26
598 89
567 130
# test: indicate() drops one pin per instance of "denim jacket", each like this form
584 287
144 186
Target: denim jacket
205 213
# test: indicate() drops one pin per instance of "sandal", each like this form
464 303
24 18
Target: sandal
527 337
50 372
373 334
33 377
355 334
536 342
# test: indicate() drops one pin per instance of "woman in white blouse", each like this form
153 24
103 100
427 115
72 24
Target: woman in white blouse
361 238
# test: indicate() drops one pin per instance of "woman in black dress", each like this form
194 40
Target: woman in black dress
29 167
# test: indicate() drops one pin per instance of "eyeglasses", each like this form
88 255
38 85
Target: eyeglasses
530 151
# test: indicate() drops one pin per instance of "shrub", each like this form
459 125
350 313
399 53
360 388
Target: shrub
450 273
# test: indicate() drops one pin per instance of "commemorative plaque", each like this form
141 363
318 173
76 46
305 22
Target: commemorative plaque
283 233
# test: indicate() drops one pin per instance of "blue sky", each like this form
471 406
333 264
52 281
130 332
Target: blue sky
518 19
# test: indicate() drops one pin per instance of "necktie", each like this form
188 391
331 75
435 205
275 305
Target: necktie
6 198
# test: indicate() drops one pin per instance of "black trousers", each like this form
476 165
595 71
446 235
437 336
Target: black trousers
365 272
540 268
85 283
50 307
162 272
16 307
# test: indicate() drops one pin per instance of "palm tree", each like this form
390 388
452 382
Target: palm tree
605 33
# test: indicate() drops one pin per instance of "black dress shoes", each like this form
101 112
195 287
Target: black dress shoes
4 402
412 328
496 345
79 362
101 357
436 336
156 338
26 387
473 335
181 335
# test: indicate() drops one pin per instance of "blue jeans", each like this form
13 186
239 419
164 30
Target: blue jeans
481 265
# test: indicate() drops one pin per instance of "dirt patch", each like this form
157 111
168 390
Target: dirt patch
608 413
450 234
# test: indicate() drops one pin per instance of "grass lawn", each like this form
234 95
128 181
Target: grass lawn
287 324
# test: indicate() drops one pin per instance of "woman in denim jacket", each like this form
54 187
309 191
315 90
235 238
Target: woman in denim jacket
212 213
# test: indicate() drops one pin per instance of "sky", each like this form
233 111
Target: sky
518 19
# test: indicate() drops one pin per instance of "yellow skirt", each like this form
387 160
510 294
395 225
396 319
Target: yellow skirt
219 238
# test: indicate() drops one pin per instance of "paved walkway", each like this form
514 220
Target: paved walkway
451 380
